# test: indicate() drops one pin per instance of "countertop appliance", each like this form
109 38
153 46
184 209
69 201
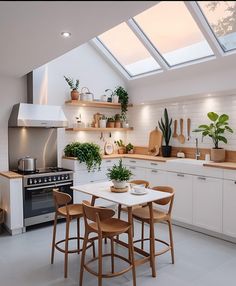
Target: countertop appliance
37 192
27 164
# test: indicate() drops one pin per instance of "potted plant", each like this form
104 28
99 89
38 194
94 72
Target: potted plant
88 153
121 146
215 130
119 175
123 99
110 122
103 121
129 148
74 87
165 126
117 121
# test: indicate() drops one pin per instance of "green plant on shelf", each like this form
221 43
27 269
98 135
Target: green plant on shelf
73 85
88 153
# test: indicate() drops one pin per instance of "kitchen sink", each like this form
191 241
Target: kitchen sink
187 161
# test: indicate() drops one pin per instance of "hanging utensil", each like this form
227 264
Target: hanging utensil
188 128
175 135
181 137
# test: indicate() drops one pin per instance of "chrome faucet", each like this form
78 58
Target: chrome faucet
197 152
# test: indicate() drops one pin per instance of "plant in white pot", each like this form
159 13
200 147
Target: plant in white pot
119 175
215 130
103 122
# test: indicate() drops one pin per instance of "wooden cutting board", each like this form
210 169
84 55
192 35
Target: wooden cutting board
155 141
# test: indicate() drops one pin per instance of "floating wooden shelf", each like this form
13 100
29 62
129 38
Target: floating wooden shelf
100 129
99 104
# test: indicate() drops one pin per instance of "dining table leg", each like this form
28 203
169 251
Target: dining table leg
152 241
130 221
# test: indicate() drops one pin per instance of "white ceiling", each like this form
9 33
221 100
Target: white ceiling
30 30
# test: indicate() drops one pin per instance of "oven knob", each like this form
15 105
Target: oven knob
49 179
62 177
30 181
35 181
59 178
54 178
45 180
66 177
40 180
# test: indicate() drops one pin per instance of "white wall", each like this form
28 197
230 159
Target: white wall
144 118
12 91
93 72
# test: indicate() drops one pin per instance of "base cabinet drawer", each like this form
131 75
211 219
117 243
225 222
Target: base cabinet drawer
182 206
229 208
207 203
156 177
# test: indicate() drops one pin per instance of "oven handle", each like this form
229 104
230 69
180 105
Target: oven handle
48 186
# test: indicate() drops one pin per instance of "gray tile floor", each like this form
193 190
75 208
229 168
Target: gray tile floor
201 260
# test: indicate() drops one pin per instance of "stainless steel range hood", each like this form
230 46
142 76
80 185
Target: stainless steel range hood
37 115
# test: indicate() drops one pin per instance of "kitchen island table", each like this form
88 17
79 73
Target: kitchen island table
129 200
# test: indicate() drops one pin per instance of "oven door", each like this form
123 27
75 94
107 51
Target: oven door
38 200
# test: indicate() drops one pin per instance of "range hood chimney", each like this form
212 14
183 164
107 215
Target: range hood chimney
37 115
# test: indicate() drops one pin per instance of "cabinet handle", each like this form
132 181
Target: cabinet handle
154 171
108 161
235 182
132 161
132 167
180 175
201 178
154 164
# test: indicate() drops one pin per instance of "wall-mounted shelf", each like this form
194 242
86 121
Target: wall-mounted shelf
100 129
98 104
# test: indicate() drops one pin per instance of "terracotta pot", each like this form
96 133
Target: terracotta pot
121 150
117 124
110 124
74 95
218 155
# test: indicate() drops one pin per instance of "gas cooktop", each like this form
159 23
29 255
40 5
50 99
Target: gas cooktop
43 171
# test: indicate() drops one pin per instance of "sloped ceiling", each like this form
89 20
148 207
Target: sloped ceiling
30 30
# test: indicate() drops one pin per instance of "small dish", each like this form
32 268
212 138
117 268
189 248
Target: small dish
133 192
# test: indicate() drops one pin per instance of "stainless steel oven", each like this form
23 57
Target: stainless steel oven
38 198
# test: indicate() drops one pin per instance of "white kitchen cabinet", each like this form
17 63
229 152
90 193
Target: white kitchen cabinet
139 173
229 208
156 177
207 203
182 207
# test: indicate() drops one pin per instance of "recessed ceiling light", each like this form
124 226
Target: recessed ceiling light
66 34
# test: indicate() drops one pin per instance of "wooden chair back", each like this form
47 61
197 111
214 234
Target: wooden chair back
92 212
168 200
140 182
60 199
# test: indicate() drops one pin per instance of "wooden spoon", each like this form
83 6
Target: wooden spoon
181 137
188 128
175 135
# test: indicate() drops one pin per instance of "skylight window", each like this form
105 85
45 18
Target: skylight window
127 49
173 32
221 16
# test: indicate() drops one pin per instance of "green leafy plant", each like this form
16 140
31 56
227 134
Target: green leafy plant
119 172
216 128
120 143
117 117
123 99
129 147
165 126
88 153
111 119
72 85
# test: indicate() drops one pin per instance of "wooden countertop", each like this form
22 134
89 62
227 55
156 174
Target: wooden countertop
222 165
10 175
133 156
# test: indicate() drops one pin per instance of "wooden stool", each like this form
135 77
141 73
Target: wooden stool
143 214
68 211
105 227
136 182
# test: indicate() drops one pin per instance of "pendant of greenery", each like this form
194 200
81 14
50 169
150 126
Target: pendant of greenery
216 129
119 172
88 153
123 99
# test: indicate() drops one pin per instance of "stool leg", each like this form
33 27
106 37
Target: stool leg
112 255
105 240
119 210
171 242
78 234
66 246
142 235
131 255
83 258
54 238
99 260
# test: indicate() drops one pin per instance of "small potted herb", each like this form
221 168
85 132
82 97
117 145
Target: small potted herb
103 121
117 121
215 130
121 146
110 122
165 126
119 175
129 148
73 86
